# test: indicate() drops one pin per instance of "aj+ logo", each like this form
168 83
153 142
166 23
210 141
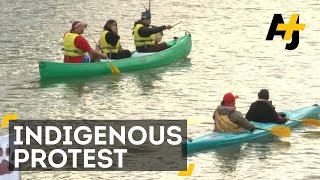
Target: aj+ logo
287 31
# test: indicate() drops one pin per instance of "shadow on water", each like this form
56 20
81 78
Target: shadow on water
311 134
146 81
145 78
51 83
81 86
228 159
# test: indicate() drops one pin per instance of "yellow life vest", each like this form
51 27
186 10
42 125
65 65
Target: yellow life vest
69 47
141 41
224 124
106 47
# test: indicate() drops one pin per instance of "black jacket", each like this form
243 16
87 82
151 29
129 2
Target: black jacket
263 111
147 31
112 38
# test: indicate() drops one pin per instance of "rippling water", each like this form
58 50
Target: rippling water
229 53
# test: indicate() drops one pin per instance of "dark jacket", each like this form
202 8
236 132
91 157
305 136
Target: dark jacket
263 111
112 38
147 31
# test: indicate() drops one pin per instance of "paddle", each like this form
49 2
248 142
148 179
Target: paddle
280 131
113 68
175 24
308 122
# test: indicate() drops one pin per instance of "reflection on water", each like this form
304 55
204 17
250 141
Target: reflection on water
228 158
246 160
311 134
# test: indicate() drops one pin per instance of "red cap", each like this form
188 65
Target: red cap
229 97
78 24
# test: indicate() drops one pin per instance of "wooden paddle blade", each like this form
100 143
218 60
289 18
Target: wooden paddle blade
191 121
114 69
281 131
311 122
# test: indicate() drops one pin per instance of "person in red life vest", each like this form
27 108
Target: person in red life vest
110 41
76 47
263 111
145 36
229 120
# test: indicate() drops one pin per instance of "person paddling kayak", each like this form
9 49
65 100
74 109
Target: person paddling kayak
229 120
263 111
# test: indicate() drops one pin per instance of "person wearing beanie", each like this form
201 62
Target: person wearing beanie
145 36
110 41
263 111
229 120
76 47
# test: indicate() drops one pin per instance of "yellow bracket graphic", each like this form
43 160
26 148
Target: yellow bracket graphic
6 118
188 172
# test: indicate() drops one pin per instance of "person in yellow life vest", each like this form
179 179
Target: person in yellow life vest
227 119
76 47
110 41
144 35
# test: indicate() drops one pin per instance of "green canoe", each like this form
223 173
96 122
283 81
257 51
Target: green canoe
179 49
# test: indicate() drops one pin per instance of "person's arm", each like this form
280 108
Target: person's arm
82 43
238 118
112 38
269 113
98 54
146 31
277 118
214 121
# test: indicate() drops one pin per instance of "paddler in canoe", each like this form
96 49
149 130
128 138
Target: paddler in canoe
263 111
229 120
76 47
147 38
110 41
